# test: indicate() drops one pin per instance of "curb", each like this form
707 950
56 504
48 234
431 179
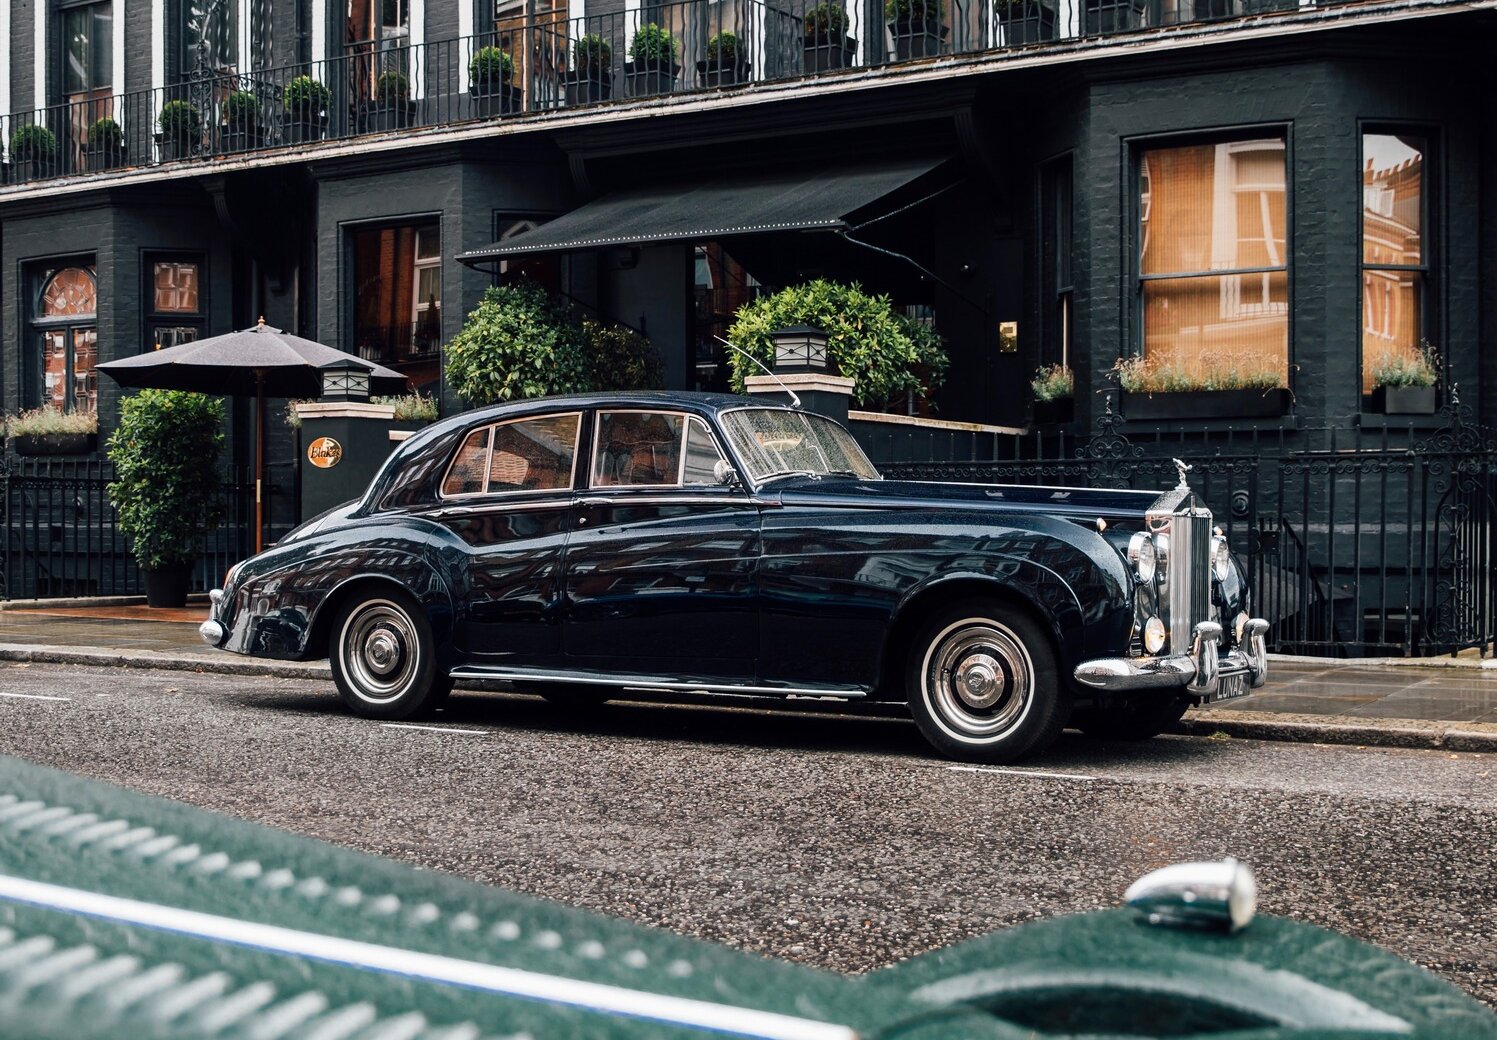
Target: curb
36 654
1338 729
1473 663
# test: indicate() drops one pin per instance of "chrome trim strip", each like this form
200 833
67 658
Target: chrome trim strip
645 498
645 682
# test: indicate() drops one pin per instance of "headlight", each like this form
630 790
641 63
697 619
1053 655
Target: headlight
1154 635
1221 558
1141 556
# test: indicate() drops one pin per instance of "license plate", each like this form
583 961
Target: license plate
1229 686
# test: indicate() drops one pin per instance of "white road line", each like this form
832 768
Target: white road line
1022 772
34 697
428 967
434 729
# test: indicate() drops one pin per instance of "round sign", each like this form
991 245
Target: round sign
324 452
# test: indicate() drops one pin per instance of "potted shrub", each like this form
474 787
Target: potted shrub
181 127
106 145
1104 17
916 28
1054 388
241 126
591 78
412 411
167 487
1403 382
391 108
306 101
1164 390
490 72
1024 21
48 431
827 45
655 66
724 65
621 358
517 343
33 153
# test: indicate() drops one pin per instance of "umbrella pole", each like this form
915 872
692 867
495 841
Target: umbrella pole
259 459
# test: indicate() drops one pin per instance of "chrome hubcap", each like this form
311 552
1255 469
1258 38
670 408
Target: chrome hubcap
379 651
978 680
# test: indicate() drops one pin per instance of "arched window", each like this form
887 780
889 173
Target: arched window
66 326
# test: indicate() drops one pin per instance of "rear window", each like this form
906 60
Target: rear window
524 455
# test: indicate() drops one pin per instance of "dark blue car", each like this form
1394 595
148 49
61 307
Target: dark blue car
579 546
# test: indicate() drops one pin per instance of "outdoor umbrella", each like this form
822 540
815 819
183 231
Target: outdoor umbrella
261 361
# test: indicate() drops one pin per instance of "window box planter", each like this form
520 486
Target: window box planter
1268 6
1113 16
831 52
917 38
585 88
1025 21
303 128
647 80
1206 404
1059 410
383 117
54 443
723 75
499 100
108 157
1403 400
173 148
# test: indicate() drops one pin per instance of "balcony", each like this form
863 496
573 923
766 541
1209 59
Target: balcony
551 63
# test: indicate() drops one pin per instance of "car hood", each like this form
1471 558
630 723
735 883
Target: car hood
921 495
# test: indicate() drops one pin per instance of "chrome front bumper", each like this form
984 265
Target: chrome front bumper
1198 674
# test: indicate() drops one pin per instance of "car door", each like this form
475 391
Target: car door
508 495
661 564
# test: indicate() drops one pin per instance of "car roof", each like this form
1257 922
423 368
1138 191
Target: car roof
683 400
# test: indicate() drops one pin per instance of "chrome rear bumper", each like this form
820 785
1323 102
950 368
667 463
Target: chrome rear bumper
1197 674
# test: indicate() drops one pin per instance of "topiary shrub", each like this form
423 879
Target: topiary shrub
620 358
902 11
179 121
722 51
166 492
106 135
592 54
825 23
887 353
517 343
654 48
392 88
306 98
242 110
32 143
489 68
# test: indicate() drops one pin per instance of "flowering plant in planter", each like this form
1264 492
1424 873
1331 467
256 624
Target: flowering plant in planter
1052 383
1403 381
51 431
1230 387
414 407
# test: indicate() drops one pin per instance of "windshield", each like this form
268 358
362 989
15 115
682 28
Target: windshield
773 442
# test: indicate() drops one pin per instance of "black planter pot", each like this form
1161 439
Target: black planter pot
501 99
240 138
1113 16
723 75
642 80
1060 410
109 157
917 39
303 129
23 171
54 443
1209 10
1268 6
383 117
1403 400
173 148
1028 22
584 88
167 586
1206 404
829 52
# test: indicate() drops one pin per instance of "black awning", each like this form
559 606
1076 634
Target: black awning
713 208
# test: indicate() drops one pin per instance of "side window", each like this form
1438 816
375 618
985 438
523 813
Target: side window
702 455
638 449
534 454
466 474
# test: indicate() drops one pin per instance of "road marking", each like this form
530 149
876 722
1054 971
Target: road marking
34 697
427 967
434 729
1022 772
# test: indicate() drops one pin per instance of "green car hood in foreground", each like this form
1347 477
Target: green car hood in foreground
124 916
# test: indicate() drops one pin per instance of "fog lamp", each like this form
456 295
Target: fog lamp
1155 635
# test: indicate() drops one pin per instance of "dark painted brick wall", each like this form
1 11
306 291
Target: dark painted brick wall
21 43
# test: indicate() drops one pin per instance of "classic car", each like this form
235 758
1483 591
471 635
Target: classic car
579 546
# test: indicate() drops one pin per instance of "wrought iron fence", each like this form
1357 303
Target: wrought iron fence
1388 550
58 536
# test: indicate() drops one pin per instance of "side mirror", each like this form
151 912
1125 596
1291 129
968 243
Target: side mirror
725 474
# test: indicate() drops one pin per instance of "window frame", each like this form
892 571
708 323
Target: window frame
38 275
488 463
680 483
1057 323
348 278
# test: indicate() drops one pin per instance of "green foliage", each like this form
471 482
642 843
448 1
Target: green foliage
592 53
518 343
106 134
392 88
242 110
620 358
886 352
166 492
912 10
412 407
825 21
654 47
41 422
490 67
1052 383
722 51
306 96
32 141
1014 8
1408 368
1139 375
179 120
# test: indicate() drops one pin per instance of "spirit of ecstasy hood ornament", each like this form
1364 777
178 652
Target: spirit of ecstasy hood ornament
1184 468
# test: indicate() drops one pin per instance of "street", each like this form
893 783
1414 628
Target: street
813 834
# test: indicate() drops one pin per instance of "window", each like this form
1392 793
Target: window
1055 261
209 31
1213 269
397 297
524 455
638 449
174 302
65 332
87 39
1395 268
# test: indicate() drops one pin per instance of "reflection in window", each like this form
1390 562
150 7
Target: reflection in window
175 285
1394 272
1213 259
534 454
173 301
209 32
640 449
398 296
702 455
469 467
67 332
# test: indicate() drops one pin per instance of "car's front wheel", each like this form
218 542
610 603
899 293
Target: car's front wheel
983 683
384 657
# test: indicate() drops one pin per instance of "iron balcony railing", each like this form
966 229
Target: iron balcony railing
547 62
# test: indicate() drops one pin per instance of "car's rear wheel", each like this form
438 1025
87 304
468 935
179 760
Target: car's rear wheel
983 683
573 695
1130 718
384 657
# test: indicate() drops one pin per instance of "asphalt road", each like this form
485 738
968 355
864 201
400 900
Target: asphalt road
832 839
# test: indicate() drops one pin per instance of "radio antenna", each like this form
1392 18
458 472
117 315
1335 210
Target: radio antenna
794 399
